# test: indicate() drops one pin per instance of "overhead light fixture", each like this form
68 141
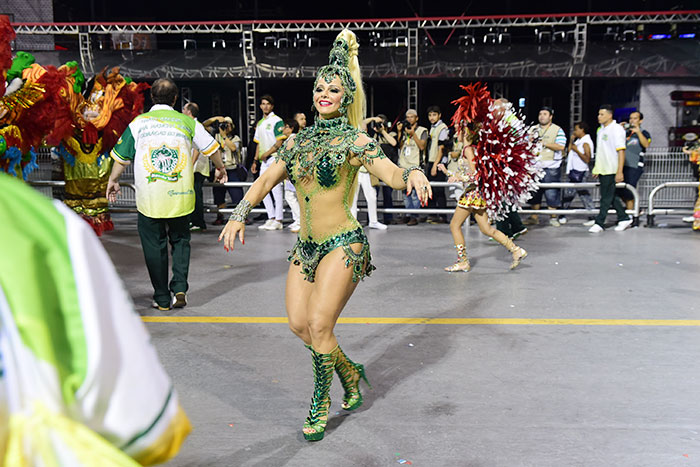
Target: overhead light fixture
544 37
629 35
466 40
490 38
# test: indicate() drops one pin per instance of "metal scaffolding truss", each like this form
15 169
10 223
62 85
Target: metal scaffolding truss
665 17
251 102
412 87
412 48
495 21
576 102
86 53
285 26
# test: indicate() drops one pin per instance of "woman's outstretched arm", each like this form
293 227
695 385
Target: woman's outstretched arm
380 166
262 186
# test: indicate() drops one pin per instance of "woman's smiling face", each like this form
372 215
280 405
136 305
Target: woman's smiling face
327 97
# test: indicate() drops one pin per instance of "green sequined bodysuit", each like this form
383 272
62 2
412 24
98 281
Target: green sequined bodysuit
318 164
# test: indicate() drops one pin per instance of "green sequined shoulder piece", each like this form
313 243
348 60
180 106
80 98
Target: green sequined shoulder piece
325 146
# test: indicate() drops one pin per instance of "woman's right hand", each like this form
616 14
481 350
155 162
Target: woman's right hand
441 168
228 234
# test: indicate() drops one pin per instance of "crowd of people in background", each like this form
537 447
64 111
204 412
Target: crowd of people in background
614 154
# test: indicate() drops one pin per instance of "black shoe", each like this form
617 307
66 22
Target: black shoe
155 305
412 221
180 300
520 232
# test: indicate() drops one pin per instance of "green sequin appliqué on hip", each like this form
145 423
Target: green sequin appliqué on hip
309 254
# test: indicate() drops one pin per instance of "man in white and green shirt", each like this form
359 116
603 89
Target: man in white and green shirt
160 143
609 160
80 380
269 136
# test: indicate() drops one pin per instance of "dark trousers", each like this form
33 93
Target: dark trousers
577 176
607 199
552 195
510 224
155 235
235 192
439 199
197 216
632 176
387 200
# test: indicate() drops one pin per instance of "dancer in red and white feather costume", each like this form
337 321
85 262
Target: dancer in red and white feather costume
497 168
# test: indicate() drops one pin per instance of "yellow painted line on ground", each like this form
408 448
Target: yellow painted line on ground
458 321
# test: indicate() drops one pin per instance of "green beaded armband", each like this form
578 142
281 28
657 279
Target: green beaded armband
407 172
240 214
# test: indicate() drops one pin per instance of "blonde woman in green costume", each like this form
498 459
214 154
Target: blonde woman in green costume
332 252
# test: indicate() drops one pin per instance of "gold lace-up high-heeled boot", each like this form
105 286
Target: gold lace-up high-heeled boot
323 365
350 374
462 263
518 253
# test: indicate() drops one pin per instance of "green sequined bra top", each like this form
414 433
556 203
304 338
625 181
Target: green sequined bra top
318 164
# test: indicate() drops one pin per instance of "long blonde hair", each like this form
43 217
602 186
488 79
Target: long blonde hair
358 108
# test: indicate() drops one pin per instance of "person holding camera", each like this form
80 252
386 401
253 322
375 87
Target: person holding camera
222 127
638 140
387 140
413 139
378 128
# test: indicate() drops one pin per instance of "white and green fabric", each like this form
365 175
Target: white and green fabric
610 139
267 132
159 143
80 382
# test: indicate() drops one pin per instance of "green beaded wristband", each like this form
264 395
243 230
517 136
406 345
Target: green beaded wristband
240 214
407 172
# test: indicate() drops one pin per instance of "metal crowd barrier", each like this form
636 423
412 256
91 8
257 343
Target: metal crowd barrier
119 207
652 211
634 212
663 165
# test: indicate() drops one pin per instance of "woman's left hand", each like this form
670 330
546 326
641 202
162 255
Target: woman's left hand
418 181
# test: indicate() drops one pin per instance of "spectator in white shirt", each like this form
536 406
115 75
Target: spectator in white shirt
609 160
580 156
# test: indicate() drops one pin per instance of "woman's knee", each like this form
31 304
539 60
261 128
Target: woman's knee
320 327
485 226
299 328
